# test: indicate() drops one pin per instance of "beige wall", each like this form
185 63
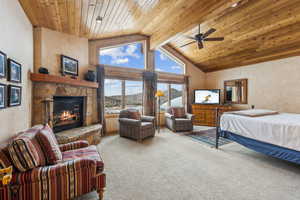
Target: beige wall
271 85
51 44
196 78
16 40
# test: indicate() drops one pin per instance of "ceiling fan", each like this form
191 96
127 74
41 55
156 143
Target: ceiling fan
202 37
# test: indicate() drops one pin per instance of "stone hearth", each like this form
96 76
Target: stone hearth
89 133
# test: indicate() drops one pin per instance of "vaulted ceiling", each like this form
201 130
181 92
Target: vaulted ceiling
254 30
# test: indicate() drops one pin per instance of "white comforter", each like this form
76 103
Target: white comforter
282 129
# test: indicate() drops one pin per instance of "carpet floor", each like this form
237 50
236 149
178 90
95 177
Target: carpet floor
170 166
206 136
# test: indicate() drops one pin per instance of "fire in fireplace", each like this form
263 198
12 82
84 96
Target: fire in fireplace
67 113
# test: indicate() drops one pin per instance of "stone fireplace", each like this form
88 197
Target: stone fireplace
67 113
69 107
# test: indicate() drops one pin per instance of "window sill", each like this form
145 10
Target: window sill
108 116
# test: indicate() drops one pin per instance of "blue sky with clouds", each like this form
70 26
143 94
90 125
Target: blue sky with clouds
131 55
164 63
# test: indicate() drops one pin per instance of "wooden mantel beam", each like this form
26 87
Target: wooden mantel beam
184 15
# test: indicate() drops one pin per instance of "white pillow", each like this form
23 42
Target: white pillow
255 112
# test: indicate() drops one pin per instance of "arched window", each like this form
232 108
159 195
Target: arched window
127 55
164 62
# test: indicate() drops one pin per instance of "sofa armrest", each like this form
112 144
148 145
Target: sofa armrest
168 115
130 122
74 145
190 116
57 172
148 118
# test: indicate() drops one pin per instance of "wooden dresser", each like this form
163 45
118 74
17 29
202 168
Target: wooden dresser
205 115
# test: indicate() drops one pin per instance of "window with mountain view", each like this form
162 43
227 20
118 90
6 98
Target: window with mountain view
164 87
134 94
176 93
113 95
166 63
116 100
128 55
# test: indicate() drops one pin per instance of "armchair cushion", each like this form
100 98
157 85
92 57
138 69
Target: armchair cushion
190 116
148 118
178 112
182 120
49 172
134 114
74 145
146 125
130 122
170 116
89 152
49 145
25 151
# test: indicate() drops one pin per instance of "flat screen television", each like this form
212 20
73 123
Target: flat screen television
207 96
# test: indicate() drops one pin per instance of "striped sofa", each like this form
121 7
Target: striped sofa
76 168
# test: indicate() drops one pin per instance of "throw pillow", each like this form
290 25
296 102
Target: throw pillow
135 115
178 112
50 145
25 151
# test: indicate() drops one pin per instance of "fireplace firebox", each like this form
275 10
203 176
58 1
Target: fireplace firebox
67 113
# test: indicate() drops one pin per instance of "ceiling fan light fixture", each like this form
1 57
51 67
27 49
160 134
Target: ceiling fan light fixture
234 5
99 19
203 37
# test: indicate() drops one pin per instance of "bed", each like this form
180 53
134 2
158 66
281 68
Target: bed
276 134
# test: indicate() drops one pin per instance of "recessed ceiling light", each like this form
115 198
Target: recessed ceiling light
234 5
99 19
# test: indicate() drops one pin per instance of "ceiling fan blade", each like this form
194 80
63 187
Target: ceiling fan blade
190 37
200 45
187 44
210 31
214 39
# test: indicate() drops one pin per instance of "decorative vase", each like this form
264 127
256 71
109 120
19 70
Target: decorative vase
90 76
43 70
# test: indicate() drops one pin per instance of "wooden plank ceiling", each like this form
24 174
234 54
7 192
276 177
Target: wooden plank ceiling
254 31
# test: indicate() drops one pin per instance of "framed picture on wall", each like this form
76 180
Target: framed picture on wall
14 71
3 62
3 97
69 65
14 95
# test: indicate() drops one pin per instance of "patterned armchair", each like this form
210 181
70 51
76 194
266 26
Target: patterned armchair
78 171
178 120
134 126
